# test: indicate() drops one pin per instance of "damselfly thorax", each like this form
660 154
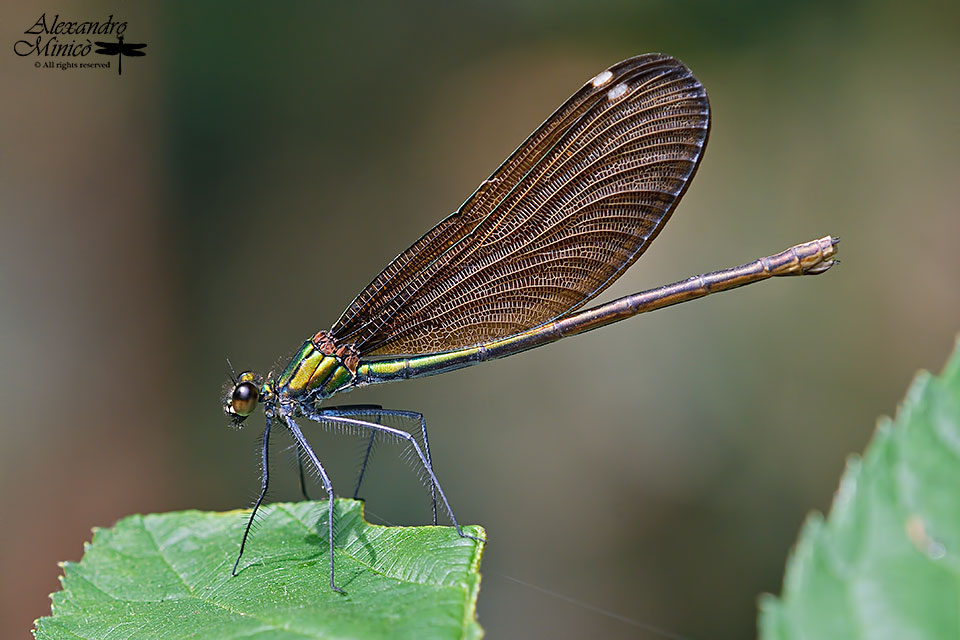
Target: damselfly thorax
319 369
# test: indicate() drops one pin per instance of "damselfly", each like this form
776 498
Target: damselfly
562 218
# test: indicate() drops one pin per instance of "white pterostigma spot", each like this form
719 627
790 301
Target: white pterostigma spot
617 91
602 78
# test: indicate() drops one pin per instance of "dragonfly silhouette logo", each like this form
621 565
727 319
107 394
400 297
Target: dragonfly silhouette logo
66 44
120 49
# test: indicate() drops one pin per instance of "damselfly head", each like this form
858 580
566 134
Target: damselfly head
242 397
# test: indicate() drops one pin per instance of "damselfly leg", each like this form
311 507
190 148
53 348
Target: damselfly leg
401 435
325 479
264 482
375 413
303 480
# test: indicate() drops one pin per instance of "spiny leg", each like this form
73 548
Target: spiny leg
377 410
358 409
303 482
264 481
320 417
302 443
363 467
426 449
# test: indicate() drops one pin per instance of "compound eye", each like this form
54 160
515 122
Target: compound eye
244 398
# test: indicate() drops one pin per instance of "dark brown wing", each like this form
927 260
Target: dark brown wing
575 205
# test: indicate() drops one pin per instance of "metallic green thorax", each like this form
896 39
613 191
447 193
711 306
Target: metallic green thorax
312 372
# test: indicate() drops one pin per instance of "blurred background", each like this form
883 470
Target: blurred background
232 191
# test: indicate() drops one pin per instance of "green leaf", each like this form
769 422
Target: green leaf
168 576
886 562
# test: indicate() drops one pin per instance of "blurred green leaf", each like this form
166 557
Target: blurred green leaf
168 576
886 562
